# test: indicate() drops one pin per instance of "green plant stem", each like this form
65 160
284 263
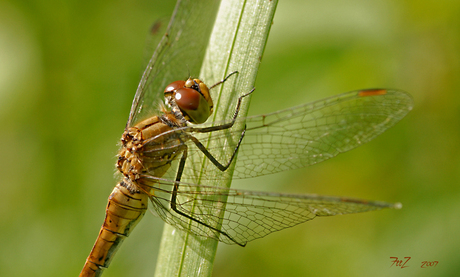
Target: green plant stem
237 43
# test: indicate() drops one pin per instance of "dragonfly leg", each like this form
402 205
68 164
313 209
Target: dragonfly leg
217 128
205 151
174 199
226 125
225 79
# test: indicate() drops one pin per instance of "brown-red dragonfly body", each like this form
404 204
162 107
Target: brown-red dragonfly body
292 138
159 150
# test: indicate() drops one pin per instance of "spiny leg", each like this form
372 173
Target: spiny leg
226 125
205 151
225 79
174 198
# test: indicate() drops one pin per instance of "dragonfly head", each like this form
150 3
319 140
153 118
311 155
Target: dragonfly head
192 98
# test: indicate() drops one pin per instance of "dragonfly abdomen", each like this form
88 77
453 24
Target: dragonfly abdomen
125 209
145 151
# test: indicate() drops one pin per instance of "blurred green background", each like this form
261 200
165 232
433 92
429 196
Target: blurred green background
68 73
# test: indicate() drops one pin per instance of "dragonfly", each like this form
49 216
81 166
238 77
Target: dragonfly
160 147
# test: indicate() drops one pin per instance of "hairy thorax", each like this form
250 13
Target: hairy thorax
148 150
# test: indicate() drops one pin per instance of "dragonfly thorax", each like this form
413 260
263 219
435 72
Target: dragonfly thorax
149 147
190 98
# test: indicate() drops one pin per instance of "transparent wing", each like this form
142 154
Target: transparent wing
302 135
287 139
239 216
156 33
179 52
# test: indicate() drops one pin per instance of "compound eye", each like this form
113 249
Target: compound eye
187 99
192 104
174 86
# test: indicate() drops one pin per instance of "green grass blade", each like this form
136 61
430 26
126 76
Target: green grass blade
237 43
